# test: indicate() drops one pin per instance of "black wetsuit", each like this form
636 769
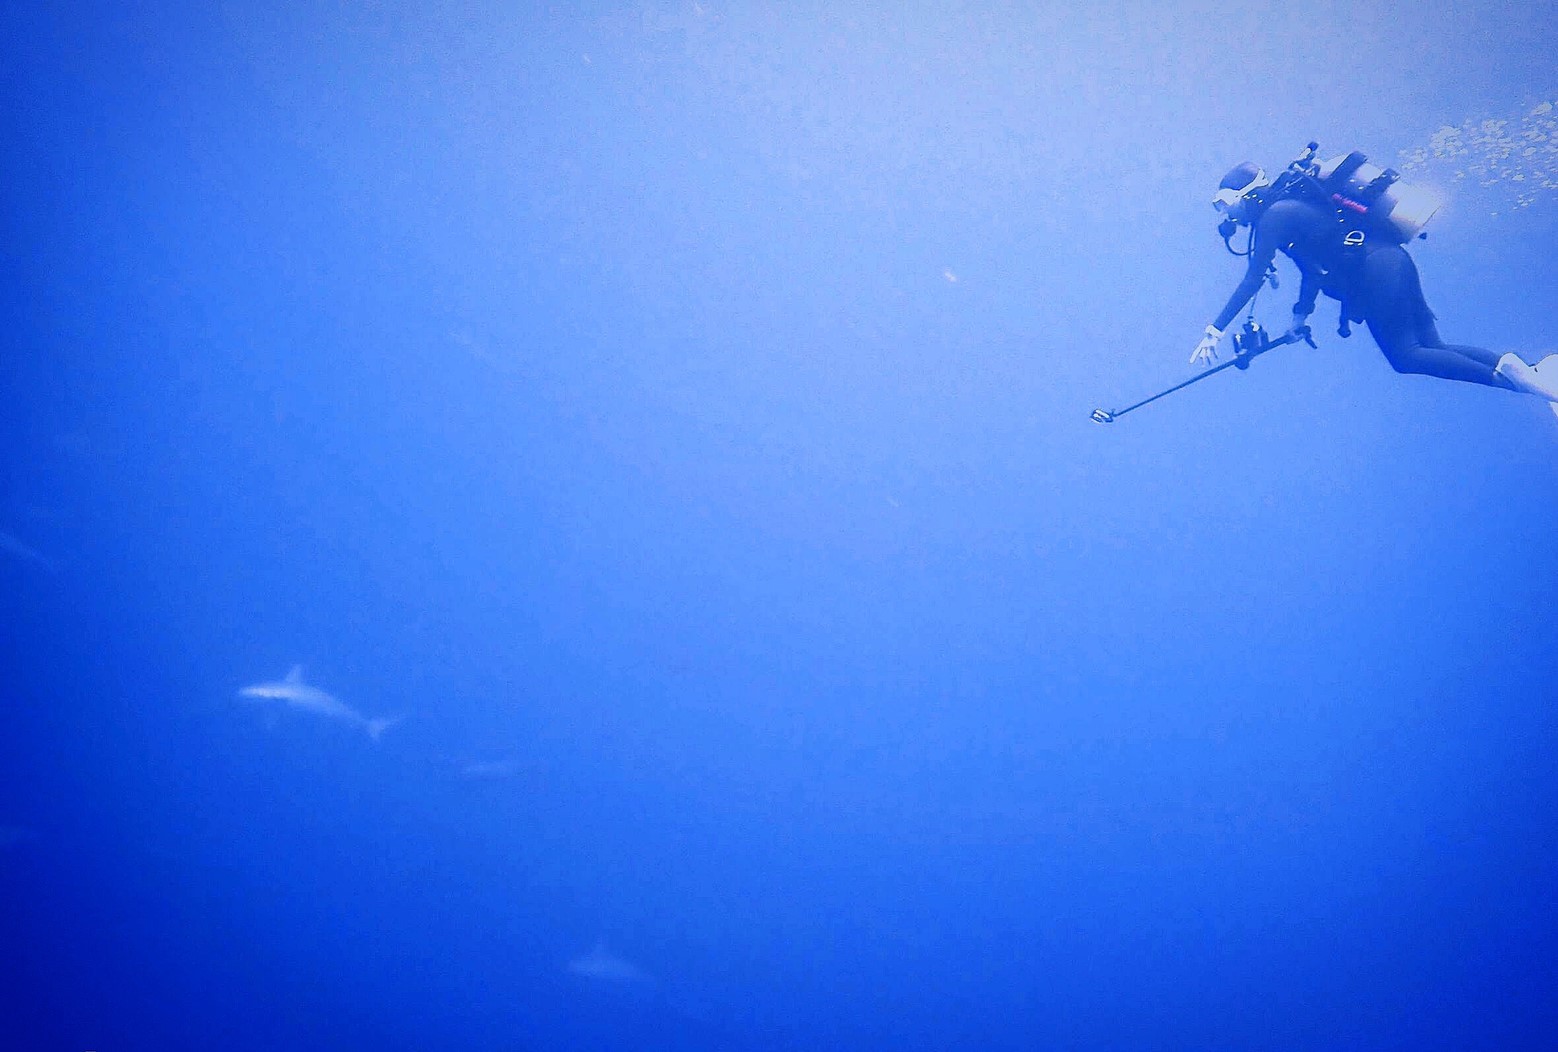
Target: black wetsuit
1379 287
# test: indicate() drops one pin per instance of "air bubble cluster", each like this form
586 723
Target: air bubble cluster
1518 156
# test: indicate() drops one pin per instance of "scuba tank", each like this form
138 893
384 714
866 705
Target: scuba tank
1391 209
1371 205
1366 198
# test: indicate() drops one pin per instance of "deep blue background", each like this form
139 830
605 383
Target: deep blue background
682 408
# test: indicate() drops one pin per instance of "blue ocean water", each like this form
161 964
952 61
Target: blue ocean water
675 415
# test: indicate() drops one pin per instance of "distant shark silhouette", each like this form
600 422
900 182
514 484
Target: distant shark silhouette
601 965
490 770
294 692
609 972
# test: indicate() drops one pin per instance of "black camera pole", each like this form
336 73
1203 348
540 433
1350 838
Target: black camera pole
1248 344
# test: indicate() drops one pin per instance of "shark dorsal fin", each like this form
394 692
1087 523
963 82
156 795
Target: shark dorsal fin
295 676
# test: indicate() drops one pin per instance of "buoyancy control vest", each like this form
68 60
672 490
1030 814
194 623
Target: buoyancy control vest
1373 209
1366 198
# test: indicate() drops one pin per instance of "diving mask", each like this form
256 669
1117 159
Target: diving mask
1226 200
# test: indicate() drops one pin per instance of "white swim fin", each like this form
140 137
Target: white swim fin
1540 379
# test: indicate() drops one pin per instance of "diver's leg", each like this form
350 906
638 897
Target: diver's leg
1428 336
1407 355
1403 326
1509 370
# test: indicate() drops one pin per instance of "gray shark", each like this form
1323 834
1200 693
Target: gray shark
490 770
604 969
601 965
307 698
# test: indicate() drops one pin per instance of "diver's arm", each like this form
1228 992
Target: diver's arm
1263 249
1308 290
1206 351
1260 261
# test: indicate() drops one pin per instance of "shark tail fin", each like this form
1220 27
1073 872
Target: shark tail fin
379 726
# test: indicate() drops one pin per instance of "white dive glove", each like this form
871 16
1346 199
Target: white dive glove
1206 350
1300 321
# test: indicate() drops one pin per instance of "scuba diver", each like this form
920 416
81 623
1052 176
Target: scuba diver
1345 224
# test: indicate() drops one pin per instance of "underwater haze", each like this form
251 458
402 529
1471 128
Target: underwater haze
577 526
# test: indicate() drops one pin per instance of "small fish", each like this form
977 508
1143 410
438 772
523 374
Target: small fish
306 698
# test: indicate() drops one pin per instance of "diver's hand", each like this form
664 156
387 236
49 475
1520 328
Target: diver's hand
1299 330
1206 350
